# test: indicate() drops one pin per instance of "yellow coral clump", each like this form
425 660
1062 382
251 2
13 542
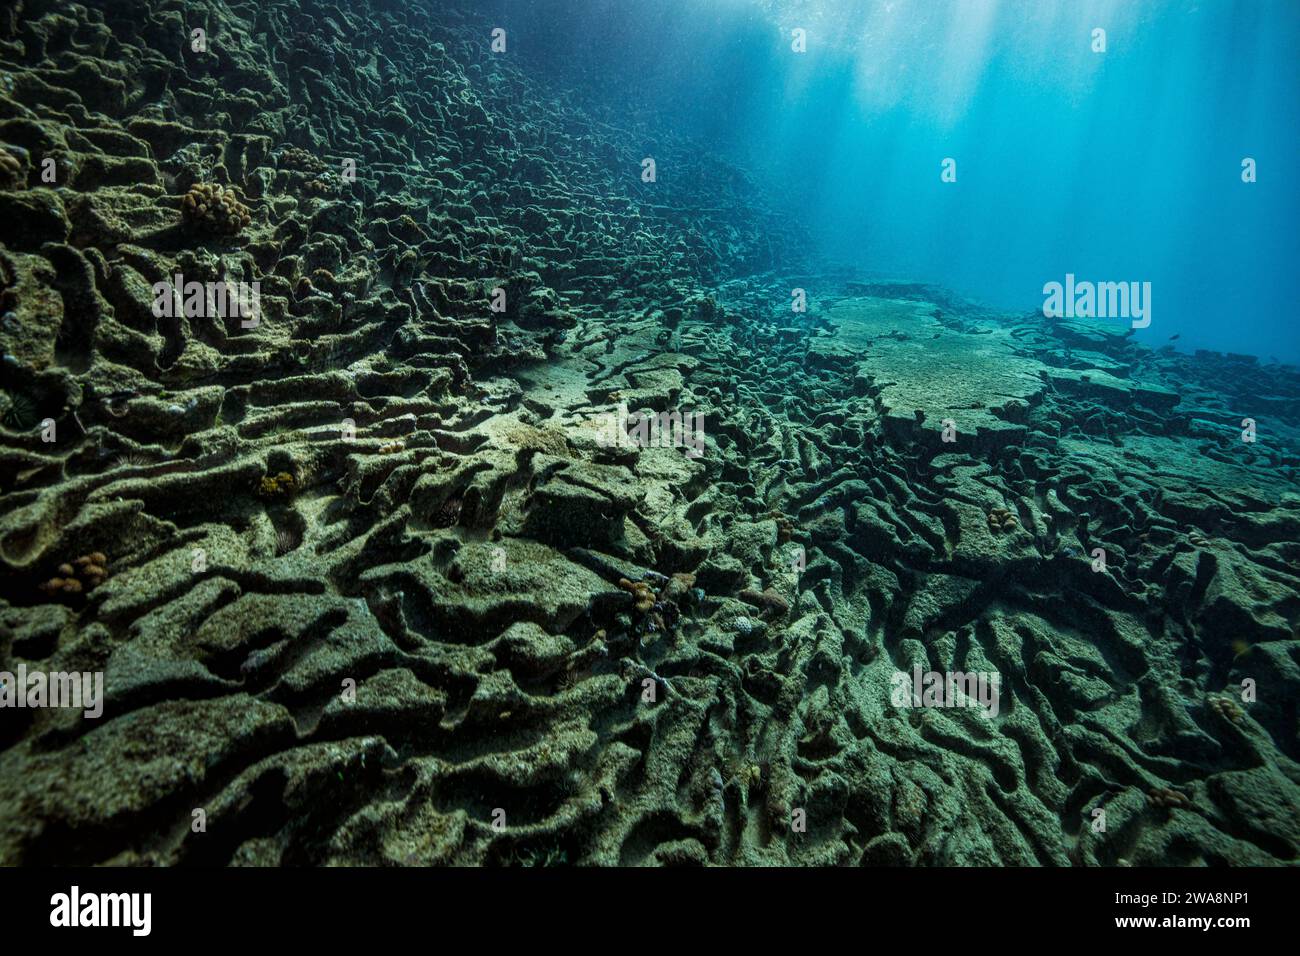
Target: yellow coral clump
214 208
1227 708
643 594
279 486
1000 519
82 574
1167 797
11 171
292 157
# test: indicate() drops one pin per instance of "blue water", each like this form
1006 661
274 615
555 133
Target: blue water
1115 166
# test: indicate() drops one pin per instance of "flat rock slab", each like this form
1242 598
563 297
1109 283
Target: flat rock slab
1105 387
925 372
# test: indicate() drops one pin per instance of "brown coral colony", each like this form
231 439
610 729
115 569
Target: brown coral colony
82 574
1002 520
213 208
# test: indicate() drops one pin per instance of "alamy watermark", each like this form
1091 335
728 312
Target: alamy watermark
208 300
1101 300
80 691
674 429
133 911
952 689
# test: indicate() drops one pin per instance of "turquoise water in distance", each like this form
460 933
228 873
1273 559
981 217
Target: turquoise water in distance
1117 166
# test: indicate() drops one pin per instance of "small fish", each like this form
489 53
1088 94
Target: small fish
1174 336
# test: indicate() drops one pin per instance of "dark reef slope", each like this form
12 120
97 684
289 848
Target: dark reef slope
498 586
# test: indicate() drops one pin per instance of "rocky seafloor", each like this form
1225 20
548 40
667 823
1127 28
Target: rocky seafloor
367 586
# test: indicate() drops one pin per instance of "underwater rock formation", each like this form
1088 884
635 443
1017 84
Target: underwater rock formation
375 589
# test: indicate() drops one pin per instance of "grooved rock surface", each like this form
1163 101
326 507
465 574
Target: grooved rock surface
368 582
